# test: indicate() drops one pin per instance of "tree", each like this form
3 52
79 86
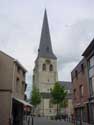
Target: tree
35 98
58 95
64 104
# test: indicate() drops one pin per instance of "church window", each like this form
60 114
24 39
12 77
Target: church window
44 67
51 67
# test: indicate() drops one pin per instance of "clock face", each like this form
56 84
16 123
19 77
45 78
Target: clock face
47 61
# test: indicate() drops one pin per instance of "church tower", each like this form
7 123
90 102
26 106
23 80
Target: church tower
45 70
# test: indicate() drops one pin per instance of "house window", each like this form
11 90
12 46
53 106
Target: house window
91 72
76 74
91 62
72 78
44 67
18 69
91 86
82 68
23 73
81 89
91 75
74 92
51 67
17 85
23 87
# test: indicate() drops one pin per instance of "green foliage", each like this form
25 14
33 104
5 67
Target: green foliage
58 93
35 97
64 103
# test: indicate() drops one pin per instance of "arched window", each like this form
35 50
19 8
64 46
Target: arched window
51 67
44 67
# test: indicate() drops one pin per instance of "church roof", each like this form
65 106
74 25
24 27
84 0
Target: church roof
45 47
68 87
66 84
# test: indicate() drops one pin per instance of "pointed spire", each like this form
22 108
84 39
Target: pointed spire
45 47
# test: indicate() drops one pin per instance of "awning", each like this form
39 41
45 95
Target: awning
22 101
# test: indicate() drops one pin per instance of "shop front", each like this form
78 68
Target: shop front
18 111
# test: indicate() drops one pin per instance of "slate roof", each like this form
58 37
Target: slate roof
45 47
14 60
89 49
66 84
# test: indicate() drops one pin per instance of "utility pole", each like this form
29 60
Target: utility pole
32 120
32 116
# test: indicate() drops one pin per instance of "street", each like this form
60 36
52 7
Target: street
46 121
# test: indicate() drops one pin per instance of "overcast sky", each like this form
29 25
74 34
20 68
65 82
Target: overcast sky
71 25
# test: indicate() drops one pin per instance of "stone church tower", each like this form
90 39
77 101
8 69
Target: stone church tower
45 70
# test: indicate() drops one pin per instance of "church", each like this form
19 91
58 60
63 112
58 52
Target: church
45 72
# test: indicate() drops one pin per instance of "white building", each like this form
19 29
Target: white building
45 73
45 70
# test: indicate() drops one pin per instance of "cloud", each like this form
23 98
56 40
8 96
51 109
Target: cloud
77 39
71 26
29 84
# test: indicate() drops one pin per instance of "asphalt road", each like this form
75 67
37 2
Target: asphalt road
46 121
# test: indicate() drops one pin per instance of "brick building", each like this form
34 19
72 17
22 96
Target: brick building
80 91
89 56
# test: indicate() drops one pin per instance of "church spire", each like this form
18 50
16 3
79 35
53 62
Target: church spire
45 47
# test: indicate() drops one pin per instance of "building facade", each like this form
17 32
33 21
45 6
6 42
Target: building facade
68 110
45 70
12 88
79 77
89 56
